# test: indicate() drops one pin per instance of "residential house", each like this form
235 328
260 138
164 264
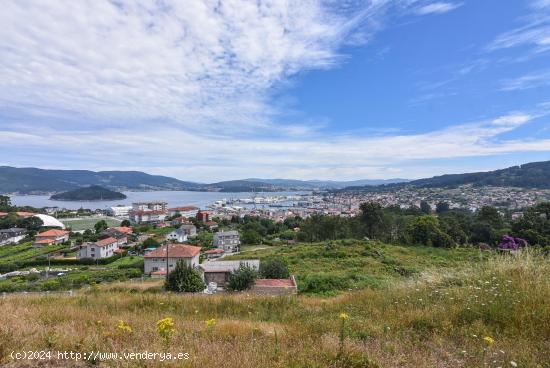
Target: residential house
155 261
103 248
178 235
229 241
214 253
49 237
3 214
219 271
120 233
203 216
184 211
189 229
12 236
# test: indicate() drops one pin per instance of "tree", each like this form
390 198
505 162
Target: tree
425 230
151 243
241 279
250 237
5 203
442 207
425 207
100 226
204 239
274 268
184 279
372 216
126 223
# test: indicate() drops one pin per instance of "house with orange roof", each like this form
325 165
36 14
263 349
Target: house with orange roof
118 232
103 248
155 261
24 214
49 237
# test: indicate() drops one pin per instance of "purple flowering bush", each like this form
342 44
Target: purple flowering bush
511 243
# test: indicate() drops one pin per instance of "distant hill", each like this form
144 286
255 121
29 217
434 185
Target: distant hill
32 180
39 181
535 175
91 193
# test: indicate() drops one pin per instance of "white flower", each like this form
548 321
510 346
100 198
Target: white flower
513 364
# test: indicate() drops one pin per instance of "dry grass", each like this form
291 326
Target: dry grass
439 320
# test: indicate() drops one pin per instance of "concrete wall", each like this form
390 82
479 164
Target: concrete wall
156 264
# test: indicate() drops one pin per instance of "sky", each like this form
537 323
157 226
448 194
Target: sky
218 90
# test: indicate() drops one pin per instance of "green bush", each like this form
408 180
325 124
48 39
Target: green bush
184 279
242 279
274 268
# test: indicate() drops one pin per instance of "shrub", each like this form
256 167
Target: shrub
184 279
274 268
242 279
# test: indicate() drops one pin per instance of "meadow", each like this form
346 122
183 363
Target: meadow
494 313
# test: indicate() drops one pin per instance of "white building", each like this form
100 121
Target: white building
229 241
155 261
12 236
185 211
100 249
119 211
178 235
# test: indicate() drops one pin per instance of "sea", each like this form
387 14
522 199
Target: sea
173 198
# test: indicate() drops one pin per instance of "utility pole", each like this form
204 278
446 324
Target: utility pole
167 246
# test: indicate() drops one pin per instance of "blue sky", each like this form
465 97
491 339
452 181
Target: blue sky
210 90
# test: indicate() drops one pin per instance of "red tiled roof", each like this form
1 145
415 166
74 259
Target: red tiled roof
105 242
118 251
44 241
275 282
53 232
175 251
121 229
214 251
25 214
2 214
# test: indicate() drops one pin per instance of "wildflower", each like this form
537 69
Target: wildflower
123 327
210 323
489 340
513 364
166 328
343 316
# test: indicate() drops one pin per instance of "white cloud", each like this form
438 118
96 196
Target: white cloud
534 33
199 63
531 80
175 152
437 8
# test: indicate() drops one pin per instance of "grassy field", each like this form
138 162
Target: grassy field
88 223
328 268
482 314
21 252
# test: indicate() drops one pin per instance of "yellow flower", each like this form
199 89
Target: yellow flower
489 340
344 316
121 326
210 323
166 327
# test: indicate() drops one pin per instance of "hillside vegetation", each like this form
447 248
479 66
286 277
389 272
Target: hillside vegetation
331 267
531 175
490 314
91 193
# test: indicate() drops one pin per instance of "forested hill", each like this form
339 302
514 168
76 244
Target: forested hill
531 175
91 193
33 180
